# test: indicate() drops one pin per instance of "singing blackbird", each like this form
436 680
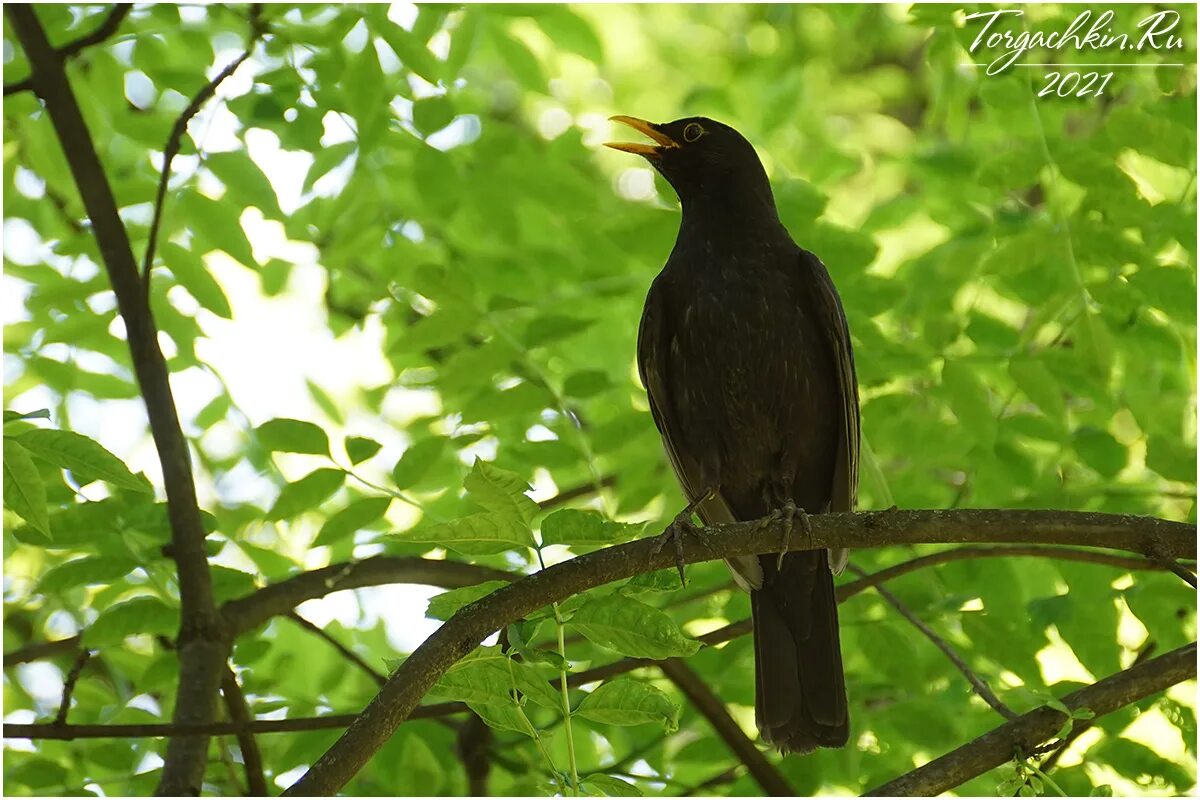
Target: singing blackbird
745 354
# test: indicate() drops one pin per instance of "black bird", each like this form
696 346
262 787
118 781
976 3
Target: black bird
745 354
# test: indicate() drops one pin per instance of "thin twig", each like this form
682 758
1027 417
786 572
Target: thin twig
709 705
576 492
239 711
174 141
154 730
726 776
1026 732
106 29
69 682
351 656
977 683
1183 572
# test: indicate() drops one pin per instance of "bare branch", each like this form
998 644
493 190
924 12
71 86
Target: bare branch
155 730
1003 551
106 29
36 652
257 607
405 687
730 732
351 656
235 705
977 683
69 682
203 644
1026 732
171 149
576 492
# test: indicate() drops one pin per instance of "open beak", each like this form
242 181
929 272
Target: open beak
662 141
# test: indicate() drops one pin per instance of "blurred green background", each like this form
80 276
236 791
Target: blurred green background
397 223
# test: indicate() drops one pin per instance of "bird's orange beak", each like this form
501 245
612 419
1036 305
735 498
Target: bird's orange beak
662 141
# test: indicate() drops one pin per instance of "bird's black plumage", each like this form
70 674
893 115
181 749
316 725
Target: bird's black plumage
745 354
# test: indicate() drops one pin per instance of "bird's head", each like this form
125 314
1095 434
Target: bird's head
701 158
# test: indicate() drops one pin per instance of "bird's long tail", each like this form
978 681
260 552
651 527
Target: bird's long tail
800 691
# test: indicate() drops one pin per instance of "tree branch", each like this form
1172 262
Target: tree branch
69 682
259 606
405 687
235 706
730 732
1029 730
351 656
576 492
977 683
1007 551
171 149
151 730
203 644
106 29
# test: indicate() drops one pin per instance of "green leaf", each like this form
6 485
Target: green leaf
431 114
192 275
12 416
416 461
217 223
86 459
521 62
969 401
500 491
475 534
1038 383
586 383
608 786
141 615
245 181
24 492
632 628
446 605
293 436
569 31
352 518
574 527
360 448
488 676
628 702
412 53
326 160
85 572
502 716
311 490
1100 451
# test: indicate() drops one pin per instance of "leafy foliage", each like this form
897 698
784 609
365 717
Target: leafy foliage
395 263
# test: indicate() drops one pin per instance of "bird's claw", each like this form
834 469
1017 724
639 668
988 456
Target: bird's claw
681 527
788 513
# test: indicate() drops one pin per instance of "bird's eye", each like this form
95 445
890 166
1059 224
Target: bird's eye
692 132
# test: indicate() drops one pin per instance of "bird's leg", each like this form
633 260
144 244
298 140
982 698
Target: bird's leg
680 527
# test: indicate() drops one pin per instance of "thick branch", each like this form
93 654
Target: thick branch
1028 731
106 29
466 629
202 643
730 732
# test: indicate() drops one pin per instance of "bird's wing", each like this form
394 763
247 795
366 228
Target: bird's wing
833 320
655 335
